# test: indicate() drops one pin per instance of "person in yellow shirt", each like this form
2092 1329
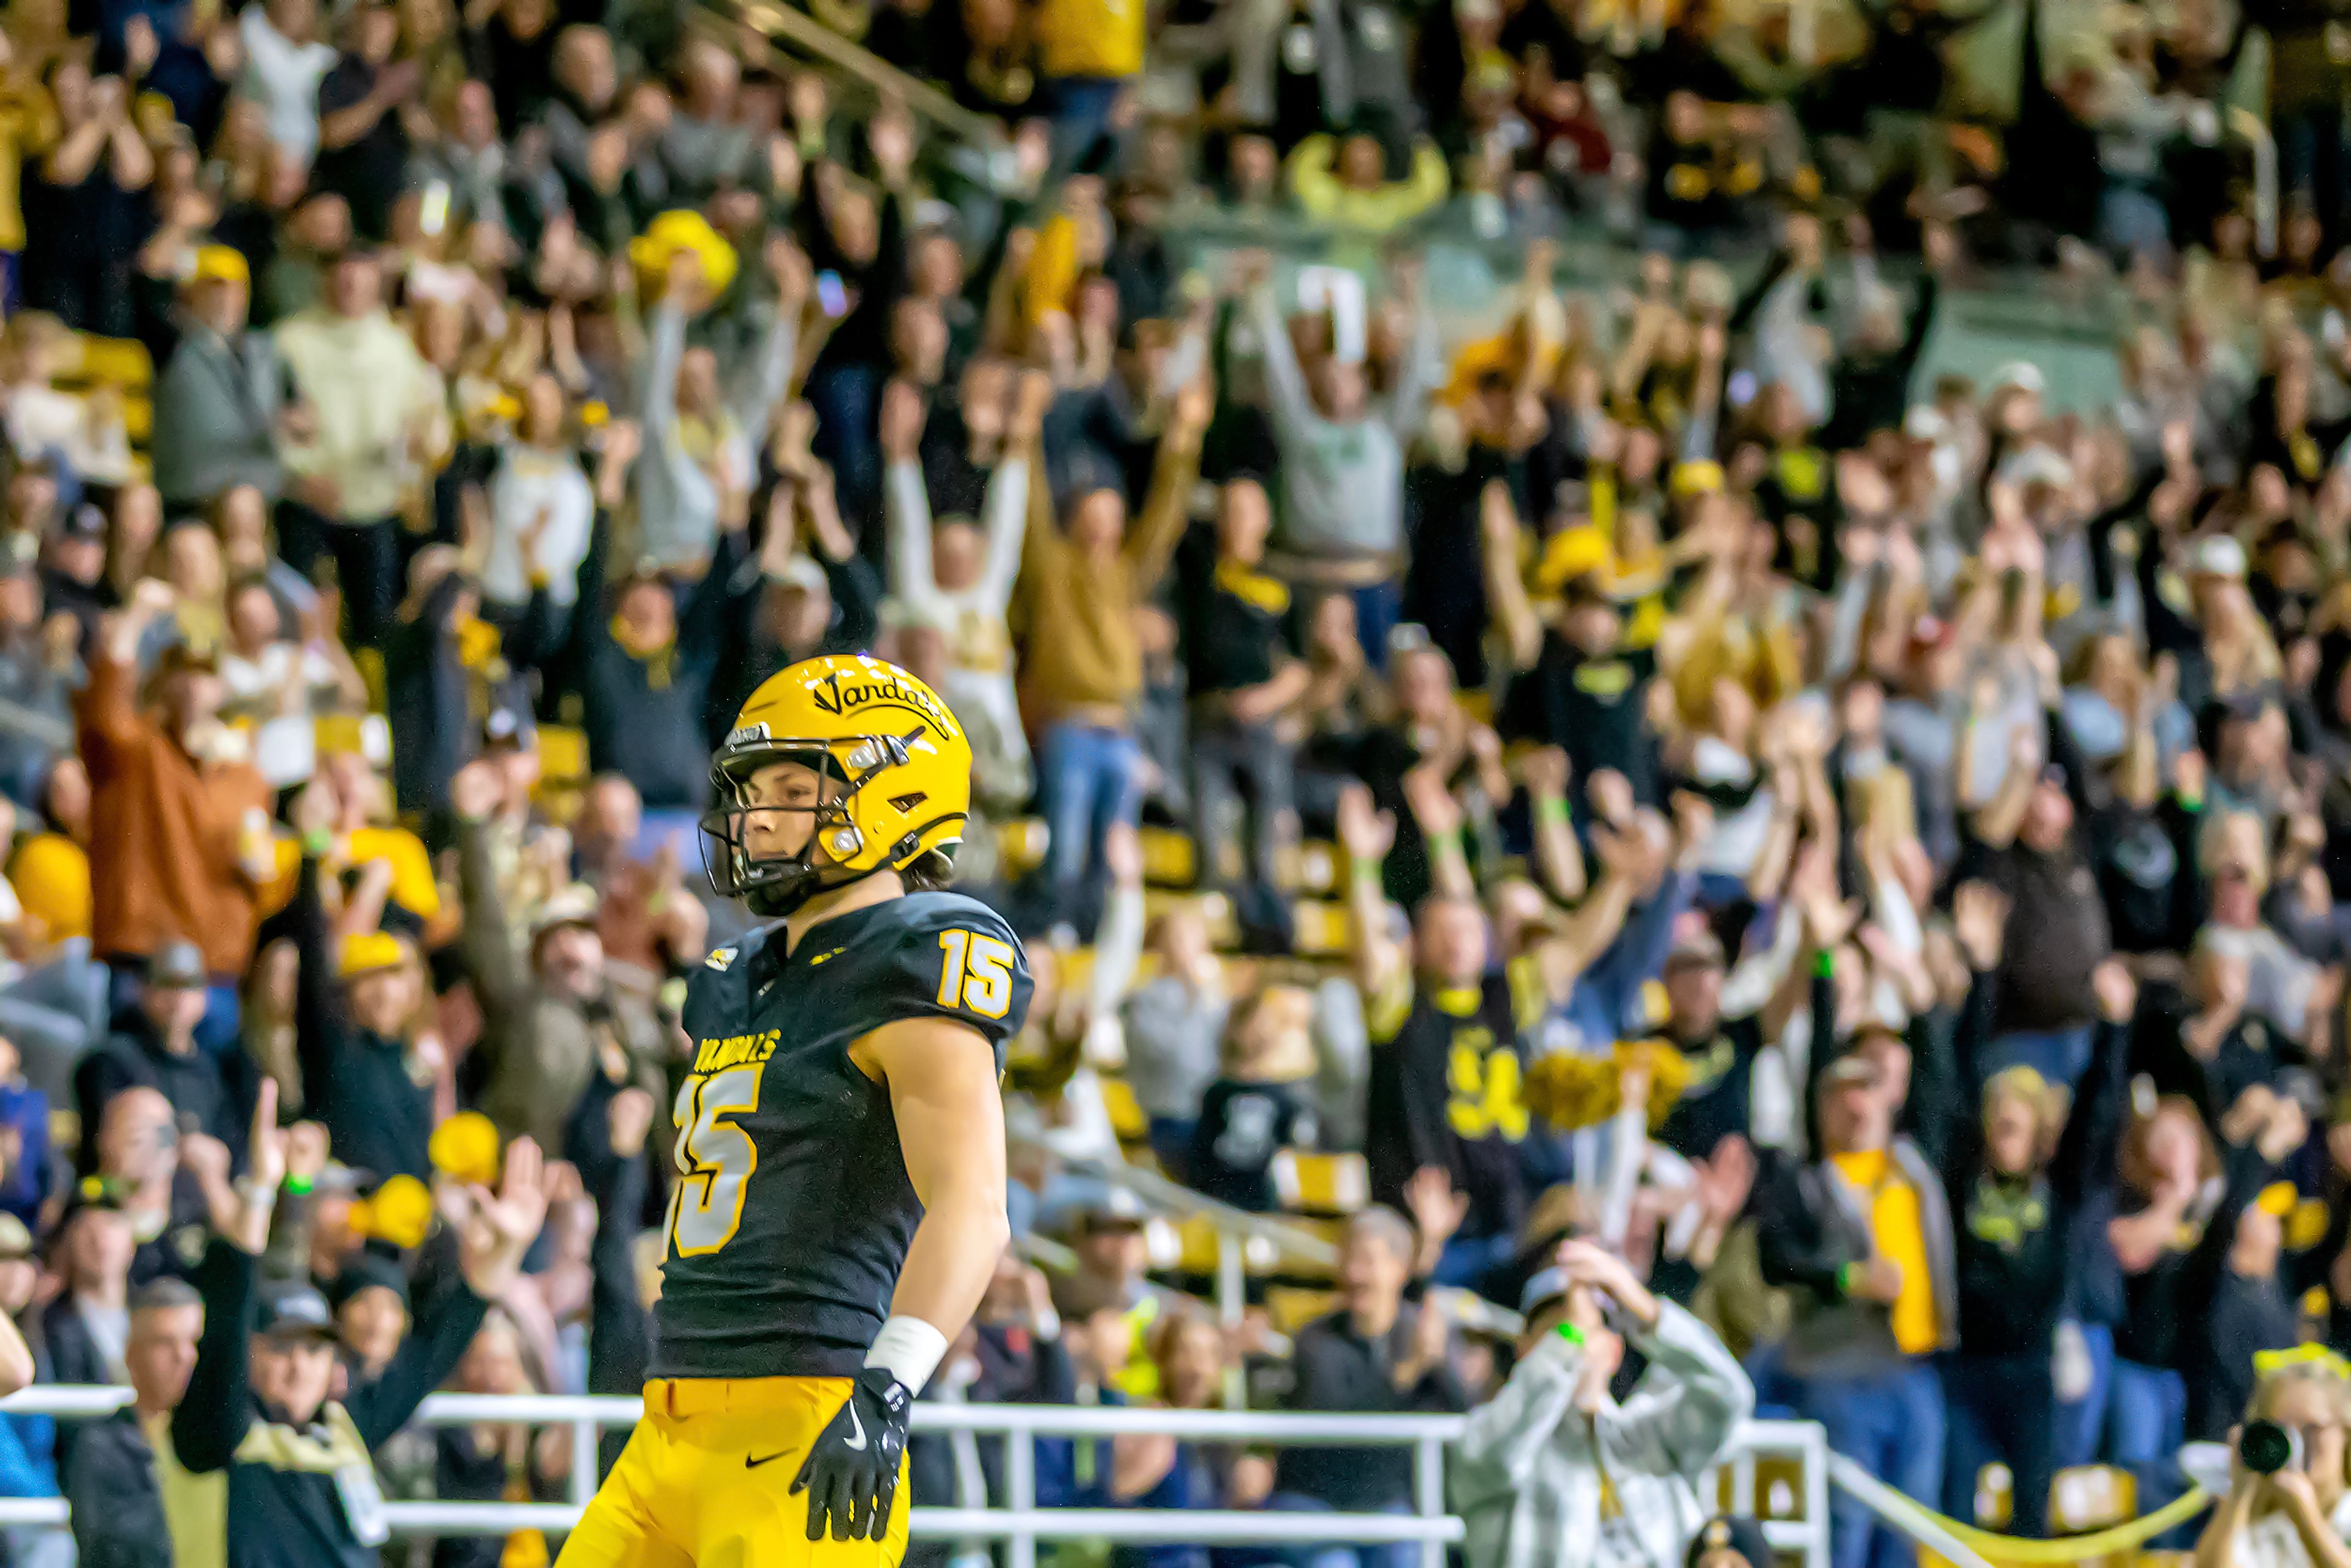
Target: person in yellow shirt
1088 51
1861 1238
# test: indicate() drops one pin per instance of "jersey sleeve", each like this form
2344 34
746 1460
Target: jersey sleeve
1386 1011
956 958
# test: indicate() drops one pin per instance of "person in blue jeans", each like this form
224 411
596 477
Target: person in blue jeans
1861 1238
2168 1228
2017 1176
1085 782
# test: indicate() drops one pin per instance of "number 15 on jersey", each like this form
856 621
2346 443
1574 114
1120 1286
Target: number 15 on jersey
976 973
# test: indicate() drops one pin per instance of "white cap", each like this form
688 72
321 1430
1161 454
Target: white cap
2037 466
1926 423
800 570
2220 555
2021 375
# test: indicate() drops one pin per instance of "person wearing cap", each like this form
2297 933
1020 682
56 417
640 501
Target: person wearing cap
1859 1235
1554 1472
73 566
117 1496
371 1303
155 1046
183 815
1718 1103
1575 681
1107 1234
378 412
555 1027
301 1487
85 1328
356 1006
222 393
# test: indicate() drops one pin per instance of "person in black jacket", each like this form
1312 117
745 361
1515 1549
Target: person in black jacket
111 1486
1869 383
2016 1189
1375 1353
647 669
86 1331
301 1487
210 1092
354 1003
607 1142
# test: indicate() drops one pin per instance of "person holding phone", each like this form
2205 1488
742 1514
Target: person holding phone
1555 1471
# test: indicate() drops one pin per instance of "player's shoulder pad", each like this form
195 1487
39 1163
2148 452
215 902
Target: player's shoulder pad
949 955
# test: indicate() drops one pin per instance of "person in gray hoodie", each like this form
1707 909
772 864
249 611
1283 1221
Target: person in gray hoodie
701 439
1553 1472
1339 520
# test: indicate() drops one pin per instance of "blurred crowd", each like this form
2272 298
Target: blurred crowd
1817 886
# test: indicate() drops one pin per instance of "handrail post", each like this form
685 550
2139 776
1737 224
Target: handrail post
1020 1494
585 1432
1429 1493
1816 1496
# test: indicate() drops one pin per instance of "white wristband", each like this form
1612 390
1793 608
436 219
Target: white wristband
909 1350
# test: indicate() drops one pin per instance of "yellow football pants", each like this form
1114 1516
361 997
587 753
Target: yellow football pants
706 1483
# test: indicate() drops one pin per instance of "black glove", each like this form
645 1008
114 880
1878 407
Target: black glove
851 1473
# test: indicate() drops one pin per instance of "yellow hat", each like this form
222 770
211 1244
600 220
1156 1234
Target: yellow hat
466 1146
219 264
1569 554
651 252
365 952
400 1212
1701 476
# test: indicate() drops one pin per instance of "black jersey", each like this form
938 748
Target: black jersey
1446 1090
793 1210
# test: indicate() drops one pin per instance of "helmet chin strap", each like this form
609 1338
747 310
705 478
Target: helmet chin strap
777 899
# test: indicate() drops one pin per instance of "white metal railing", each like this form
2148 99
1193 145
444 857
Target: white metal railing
1019 1522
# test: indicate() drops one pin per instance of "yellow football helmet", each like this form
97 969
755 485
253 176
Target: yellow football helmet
902 761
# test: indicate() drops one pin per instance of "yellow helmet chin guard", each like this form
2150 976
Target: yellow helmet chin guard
902 760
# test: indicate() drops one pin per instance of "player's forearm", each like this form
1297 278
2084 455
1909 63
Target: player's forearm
952 1258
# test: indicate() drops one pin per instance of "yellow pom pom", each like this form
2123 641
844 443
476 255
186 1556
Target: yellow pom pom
1571 1091
466 1148
651 251
400 1212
